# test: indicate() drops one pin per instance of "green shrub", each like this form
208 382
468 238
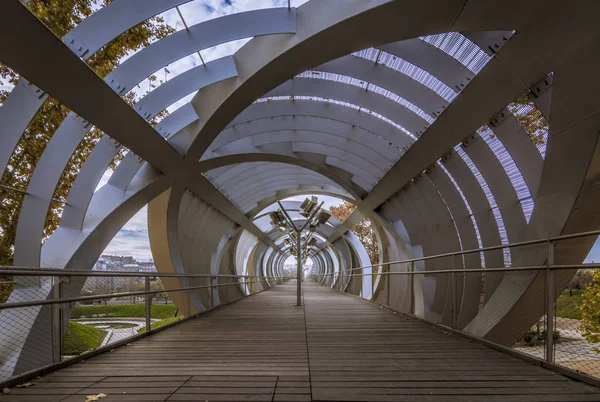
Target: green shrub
567 306
80 338
124 310
532 337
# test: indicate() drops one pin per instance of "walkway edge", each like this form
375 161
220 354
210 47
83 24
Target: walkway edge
572 374
30 375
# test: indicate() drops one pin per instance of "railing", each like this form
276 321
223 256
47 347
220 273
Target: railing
55 315
459 291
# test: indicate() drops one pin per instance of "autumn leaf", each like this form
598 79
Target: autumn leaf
25 385
5 390
92 398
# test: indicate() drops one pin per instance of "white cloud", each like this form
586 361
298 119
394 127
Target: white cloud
132 239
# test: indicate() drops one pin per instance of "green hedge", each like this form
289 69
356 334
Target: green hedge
124 310
81 338
568 306
160 323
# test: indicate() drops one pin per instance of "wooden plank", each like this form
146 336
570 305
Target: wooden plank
336 347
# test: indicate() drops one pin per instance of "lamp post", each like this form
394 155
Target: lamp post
282 219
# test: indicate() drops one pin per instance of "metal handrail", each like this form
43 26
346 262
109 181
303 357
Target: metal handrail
113 295
490 248
37 271
467 270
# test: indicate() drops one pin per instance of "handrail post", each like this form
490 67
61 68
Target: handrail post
57 318
412 287
212 292
373 284
148 304
298 269
388 287
453 292
188 301
549 310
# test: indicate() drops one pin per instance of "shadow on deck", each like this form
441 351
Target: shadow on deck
336 347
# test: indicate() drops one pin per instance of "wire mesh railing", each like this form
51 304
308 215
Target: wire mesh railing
49 316
542 305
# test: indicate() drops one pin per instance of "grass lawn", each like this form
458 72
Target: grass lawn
160 323
124 310
81 338
567 306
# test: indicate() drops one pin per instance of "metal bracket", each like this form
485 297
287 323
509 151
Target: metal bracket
541 87
163 132
447 156
77 47
497 119
64 279
494 46
34 89
116 86
144 114
82 121
114 142
467 141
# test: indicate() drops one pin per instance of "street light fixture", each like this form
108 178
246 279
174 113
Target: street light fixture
315 217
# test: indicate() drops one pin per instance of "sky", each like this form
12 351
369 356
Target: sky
132 239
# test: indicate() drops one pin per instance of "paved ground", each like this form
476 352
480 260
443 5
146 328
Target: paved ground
336 347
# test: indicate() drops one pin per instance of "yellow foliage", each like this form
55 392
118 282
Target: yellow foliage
363 230
590 311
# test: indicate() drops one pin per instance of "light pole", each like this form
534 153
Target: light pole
282 219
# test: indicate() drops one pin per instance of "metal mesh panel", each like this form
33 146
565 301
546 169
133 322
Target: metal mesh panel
577 323
17 325
163 310
72 313
117 318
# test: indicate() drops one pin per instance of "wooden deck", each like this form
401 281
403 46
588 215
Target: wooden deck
337 347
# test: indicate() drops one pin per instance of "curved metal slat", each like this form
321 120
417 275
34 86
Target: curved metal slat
201 36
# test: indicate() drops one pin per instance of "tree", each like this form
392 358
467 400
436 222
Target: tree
530 117
363 230
590 311
60 16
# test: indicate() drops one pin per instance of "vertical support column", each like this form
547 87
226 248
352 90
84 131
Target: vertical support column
148 303
57 320
298 270
549 305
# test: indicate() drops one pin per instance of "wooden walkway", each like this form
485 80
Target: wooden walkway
337 347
